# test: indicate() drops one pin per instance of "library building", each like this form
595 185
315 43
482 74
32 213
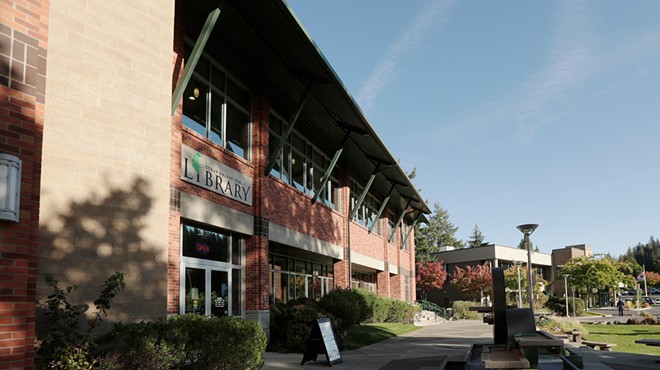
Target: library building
205 149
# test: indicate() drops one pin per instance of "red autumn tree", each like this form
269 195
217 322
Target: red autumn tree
473 281
430 275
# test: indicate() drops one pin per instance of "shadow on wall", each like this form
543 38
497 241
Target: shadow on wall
96 237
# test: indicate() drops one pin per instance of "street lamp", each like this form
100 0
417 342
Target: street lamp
518 263
566 292
527 230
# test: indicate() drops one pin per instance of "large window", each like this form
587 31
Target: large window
292 275
366 214
364 280
302 165
211 272
216 107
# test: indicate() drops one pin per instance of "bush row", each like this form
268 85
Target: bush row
291 322
185 342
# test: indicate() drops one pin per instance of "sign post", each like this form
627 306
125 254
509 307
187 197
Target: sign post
322 340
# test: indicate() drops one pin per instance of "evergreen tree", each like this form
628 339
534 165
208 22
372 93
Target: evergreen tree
476 239
647 255
439 232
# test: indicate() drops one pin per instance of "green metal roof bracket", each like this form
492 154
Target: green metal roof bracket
331 167
364 192
398 222
382 207
405 240
191 63
289 128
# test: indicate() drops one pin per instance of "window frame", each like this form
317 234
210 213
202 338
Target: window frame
209 266
307 152
206 79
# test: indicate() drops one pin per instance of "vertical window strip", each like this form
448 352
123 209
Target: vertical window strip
218 108
301 165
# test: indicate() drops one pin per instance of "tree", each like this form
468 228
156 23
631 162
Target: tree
587 273
522 245
473 281
652 278
476 239
511 282
439 232
430 275
647 255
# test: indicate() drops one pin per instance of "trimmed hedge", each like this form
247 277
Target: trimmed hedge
291 323
186 342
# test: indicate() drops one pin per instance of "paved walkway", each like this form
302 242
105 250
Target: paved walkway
432 340
429 346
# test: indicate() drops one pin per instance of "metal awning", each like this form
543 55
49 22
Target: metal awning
264 43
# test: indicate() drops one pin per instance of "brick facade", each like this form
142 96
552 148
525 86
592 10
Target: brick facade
23 46
101 188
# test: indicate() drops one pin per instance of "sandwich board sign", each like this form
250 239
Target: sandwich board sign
322 340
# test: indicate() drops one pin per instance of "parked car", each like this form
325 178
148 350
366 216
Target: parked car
656 300
648 300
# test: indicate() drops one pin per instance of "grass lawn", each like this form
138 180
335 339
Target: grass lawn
624 336
363 335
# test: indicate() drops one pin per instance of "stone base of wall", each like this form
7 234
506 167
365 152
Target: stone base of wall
262 317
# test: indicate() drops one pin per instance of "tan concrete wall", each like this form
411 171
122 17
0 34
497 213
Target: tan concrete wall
105 184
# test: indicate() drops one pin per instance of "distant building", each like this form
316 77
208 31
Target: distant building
496 255
560 257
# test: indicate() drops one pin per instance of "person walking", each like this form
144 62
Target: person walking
620 305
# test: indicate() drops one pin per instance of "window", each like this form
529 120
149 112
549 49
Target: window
291 277
366 214
211 272
364 280
217 108
405 229
302 165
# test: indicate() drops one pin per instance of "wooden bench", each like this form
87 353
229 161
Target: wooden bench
603 346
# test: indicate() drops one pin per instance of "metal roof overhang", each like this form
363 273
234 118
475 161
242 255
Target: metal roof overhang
264 43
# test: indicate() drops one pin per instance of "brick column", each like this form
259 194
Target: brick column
23 46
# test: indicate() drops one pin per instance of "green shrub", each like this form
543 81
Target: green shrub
188 342
348 305
291 325
461 310
560 326
558 305
399 311
65 344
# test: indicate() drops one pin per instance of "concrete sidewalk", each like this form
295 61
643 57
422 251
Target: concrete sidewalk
428 346
433 344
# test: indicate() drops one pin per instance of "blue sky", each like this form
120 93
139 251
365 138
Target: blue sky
512 112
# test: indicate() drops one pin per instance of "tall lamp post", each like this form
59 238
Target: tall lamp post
566 292
518 263
527 230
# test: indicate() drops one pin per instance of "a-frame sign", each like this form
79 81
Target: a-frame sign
322 340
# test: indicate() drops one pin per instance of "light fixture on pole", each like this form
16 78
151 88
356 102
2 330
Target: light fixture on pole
517 264
527 230
566 292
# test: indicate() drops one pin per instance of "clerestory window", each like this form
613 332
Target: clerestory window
218 108
302 165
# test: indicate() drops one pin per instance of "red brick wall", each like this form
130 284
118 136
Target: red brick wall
23 45
365 243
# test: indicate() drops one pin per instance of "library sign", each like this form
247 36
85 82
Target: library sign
210 174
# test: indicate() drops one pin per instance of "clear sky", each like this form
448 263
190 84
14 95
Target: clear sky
512 111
